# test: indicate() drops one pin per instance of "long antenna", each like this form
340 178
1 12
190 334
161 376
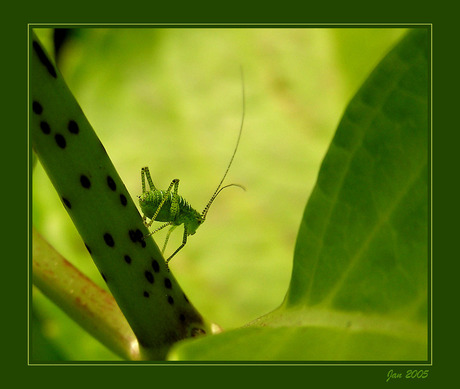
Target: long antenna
220 187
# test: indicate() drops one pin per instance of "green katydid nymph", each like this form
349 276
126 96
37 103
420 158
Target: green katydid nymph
169 207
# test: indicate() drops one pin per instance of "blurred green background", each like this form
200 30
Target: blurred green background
171 99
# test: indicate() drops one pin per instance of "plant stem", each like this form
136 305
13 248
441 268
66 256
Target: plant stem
105 216
90 306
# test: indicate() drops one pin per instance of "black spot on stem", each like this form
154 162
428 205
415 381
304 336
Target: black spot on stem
149 276
133 236
37 107
44 59
60 141
111 183
67 203
155 266
109 240
84 181
45 127
72 126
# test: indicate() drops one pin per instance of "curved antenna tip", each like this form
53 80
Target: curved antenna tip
219 187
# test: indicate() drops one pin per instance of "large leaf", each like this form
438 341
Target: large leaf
358 289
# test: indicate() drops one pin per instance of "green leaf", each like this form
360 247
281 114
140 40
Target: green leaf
358 289
362 242
300 343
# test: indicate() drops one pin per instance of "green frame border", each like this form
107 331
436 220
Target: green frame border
375 367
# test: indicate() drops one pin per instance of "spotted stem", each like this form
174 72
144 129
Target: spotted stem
104 214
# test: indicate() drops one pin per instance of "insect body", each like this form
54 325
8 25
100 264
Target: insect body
171 208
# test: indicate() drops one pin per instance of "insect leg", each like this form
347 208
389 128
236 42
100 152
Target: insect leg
184 241
143 179
174 183
145 173
158 229
167 238
175 200
149 179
